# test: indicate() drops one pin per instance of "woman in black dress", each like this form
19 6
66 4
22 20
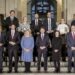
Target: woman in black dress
56 52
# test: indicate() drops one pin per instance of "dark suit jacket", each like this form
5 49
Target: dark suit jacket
73 22
56 44
35 28
9 22
53 24
15 39
45 42
2 38
70 41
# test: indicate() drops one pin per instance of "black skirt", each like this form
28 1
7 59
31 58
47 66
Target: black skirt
56 56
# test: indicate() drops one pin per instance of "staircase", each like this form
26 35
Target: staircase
50 70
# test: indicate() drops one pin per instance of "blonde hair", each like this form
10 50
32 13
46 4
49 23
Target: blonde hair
29 30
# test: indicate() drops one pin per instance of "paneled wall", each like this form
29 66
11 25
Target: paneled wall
20 6
69 10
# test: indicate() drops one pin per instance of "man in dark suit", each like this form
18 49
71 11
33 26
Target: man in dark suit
42 43
2 42
13 40
12 20
71 48
49 23
36 24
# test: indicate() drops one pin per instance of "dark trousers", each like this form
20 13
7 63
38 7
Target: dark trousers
70 55
50 49
50 36
57 65
27 66
1 58
35 48
64 49
44 52
64 52
13 52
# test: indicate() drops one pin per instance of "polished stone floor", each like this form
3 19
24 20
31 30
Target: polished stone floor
38 74
34 69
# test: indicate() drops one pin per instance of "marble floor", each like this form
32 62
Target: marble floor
38 74
34 70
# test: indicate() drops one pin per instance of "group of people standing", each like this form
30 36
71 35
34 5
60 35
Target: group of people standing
37 37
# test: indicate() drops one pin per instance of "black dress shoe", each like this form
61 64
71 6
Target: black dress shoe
58 70
38 71
1 72
45 71
26 71
16 71
69 71
55 71
30 71
9 71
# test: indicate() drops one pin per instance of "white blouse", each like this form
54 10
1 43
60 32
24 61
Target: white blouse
63 28
23 27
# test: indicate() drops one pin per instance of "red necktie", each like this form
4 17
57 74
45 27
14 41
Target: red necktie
73 35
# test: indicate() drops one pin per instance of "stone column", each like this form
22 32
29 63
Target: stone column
22 8
11 5
59 10
2 6
70 10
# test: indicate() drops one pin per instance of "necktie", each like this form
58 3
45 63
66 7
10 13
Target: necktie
36 22
73 35
0 34
49 24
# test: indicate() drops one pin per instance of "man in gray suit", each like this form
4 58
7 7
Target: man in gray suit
71 48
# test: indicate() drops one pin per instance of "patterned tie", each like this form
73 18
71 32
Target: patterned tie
0 34
49 24
74 35
36 22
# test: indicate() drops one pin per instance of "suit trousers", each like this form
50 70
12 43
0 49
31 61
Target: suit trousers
1 58
13 52
44 52
70 55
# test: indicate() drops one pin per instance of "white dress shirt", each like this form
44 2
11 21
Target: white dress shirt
63 28
36 21
12 33
49 24
11 17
